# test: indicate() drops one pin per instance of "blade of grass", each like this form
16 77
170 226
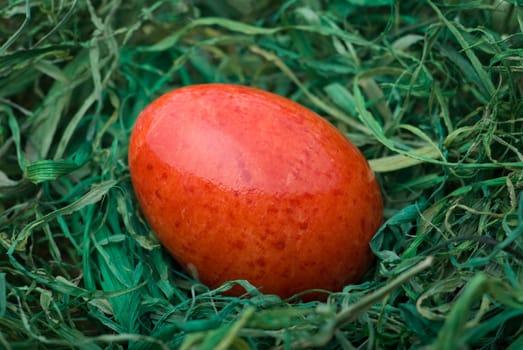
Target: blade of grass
94 195
451 335
3 295
221 338
484 81
10 41
402 161
316 101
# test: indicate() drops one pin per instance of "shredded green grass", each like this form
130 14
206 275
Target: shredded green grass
431 92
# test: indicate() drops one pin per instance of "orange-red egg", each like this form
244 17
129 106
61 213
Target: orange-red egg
239 183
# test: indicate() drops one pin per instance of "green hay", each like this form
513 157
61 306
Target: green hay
431 92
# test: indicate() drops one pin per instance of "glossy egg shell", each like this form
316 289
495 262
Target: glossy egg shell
240 183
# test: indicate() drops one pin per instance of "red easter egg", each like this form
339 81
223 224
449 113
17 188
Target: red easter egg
240 183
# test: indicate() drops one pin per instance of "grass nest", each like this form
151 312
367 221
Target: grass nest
431 92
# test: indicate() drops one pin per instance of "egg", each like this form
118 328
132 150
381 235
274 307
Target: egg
243 184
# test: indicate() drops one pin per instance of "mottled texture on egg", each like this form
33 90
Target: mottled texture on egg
239 183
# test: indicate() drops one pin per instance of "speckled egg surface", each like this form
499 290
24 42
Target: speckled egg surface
239 183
